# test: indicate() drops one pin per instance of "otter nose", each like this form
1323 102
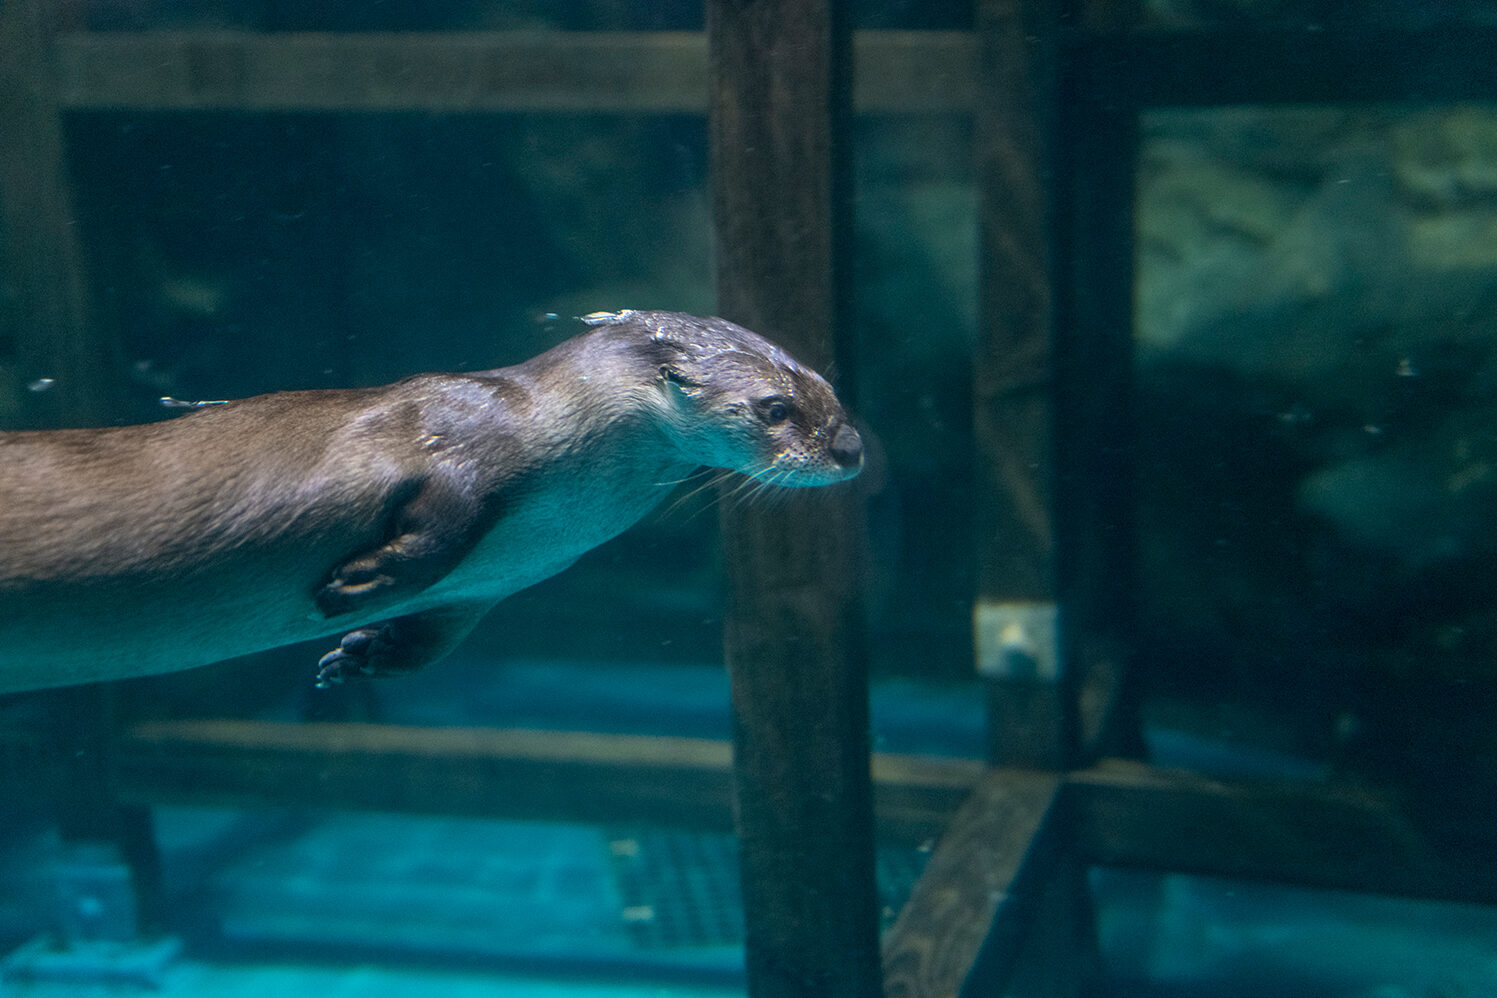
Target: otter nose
846 447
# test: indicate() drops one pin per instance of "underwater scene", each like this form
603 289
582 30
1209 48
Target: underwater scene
752 497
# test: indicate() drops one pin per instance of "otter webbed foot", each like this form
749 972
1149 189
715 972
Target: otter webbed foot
358 655
396 647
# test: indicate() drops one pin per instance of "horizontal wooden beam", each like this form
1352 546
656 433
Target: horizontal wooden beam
896 72
572 776
1121 813
617 72
1329 835
466 771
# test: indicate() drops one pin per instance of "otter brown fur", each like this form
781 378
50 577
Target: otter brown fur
396 516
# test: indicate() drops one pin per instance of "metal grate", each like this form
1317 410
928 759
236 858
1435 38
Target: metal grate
679 889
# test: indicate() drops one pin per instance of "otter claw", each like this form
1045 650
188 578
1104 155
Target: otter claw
354 658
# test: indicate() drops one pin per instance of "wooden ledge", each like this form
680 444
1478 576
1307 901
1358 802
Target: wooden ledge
574 776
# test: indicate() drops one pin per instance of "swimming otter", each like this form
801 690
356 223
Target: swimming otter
397 516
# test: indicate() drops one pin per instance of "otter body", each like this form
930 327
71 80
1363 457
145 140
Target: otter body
394 516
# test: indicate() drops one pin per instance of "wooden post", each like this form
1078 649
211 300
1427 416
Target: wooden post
47 332
1096 155
779 103
1016 618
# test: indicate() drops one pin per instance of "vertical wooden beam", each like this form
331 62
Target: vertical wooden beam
1096 156
47 332
1016 617
777 118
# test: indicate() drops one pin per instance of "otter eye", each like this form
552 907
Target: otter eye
774 410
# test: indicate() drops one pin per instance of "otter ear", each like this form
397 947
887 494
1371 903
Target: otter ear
678 382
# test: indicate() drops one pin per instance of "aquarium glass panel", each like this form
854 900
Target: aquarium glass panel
1315 372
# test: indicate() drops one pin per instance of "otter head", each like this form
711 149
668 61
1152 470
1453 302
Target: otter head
732 399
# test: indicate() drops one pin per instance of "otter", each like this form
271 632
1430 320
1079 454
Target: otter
394 516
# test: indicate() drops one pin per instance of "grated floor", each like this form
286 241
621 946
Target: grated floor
191 978
383 902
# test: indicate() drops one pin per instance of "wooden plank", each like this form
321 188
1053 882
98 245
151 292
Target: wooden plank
468 771
963 929
1005 887
47 332
479 772
777 121
927 72
1336 836
531 71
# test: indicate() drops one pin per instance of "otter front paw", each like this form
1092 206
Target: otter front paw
354 586
361 653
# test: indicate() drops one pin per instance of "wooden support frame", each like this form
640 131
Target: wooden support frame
997 910
1334 835
473 772
1328 836
483 772
1337 835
